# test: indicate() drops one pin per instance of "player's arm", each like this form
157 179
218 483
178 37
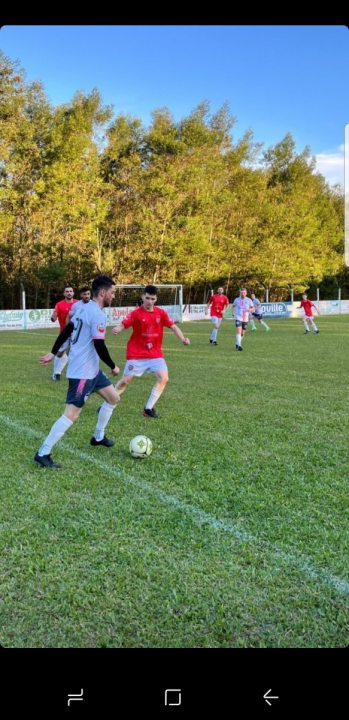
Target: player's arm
103 353
118 329
180 335
62 337
54 316
127 322
317 310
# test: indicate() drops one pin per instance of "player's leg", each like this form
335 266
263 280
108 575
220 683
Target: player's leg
59 428
238 335
60 360
252 322
111 397
218 324
313 324
56 374
159 368
262 322
213 337
305 321
122 384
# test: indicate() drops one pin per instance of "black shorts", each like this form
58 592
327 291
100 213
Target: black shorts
258 316
80 390
241 323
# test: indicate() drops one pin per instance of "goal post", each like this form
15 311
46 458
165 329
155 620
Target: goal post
169 297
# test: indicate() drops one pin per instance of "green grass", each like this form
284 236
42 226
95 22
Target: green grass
234 533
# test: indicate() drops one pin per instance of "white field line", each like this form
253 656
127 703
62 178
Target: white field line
198 516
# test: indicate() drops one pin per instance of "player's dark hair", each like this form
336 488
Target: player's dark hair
68 285
100 282
84 289
151 290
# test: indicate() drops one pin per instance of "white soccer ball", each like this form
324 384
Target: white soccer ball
141 446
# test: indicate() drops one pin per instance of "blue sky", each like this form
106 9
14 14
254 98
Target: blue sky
276 79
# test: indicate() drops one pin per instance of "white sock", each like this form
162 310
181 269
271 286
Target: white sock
238 339
253 324
63 362
153 397
104 415
214 335
58 429
264 323
56 364
306 325
313 324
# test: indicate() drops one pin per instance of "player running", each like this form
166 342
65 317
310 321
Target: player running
242 306
308 306
144 348
217 305
257 313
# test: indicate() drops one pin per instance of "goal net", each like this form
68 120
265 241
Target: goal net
169 297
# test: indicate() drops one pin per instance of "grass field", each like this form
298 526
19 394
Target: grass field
234 533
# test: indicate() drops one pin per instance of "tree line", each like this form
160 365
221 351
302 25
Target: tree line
83 192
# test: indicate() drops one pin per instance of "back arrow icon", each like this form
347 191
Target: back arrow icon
268 697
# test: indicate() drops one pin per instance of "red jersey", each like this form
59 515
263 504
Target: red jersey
307 305
62 308
148 329
218 303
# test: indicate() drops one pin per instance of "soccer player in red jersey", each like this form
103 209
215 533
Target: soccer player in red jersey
60 313
308 306
144 348
218 304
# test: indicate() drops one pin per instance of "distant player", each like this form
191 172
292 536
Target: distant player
85 297
60 313
308 306
217 305
257 313
87 330
242 306
144 348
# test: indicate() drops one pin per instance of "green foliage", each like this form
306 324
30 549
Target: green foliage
174 202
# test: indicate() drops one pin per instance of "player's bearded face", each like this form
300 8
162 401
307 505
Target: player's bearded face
109 296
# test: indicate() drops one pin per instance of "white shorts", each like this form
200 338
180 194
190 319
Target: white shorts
216 320
136 368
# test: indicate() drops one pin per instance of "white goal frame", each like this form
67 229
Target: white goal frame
175 309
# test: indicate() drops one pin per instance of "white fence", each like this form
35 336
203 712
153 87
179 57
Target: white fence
33 319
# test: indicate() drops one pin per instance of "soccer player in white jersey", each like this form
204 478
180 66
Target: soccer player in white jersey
242 306
87 330
85 297
257 313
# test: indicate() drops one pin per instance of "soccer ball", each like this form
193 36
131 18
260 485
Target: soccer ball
141 446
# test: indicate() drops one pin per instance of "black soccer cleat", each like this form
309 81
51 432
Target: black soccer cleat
317 332
45 461
56 377
214 342
105 441
150 413
211 341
